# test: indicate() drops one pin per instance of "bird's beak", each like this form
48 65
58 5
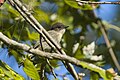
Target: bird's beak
66 26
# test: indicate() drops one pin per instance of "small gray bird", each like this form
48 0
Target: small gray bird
57 30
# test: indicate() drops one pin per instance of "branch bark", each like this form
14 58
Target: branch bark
102 28
80 3
35 24
111 51
62 57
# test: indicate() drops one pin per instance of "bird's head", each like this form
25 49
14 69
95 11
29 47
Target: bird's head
59 27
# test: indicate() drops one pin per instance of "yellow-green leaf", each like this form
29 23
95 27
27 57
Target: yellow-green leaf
30 70
74 4
33 35
6 73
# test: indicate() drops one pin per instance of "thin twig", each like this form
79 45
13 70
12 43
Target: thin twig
42 71
43 64
91 2
35 24
51 68
102 28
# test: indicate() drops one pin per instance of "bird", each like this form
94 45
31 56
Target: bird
56 31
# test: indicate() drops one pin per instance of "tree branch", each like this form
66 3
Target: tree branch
92 2
111 51
35 24
112 54
62 57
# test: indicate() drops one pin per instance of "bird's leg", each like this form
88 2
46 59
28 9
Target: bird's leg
42 74
44 64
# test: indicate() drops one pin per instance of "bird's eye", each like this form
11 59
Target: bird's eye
59 27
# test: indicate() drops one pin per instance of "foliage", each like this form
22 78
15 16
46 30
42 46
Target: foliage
74 4
30 69
6 73
83 30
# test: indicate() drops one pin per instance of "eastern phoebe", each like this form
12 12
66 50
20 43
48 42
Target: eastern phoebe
56 31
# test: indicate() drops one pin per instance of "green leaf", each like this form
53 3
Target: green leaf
94 68
30 70
78 54
74 4
6 73
94 76
110 26
16 54
11 10
110 73
33 35
8 34
41 16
